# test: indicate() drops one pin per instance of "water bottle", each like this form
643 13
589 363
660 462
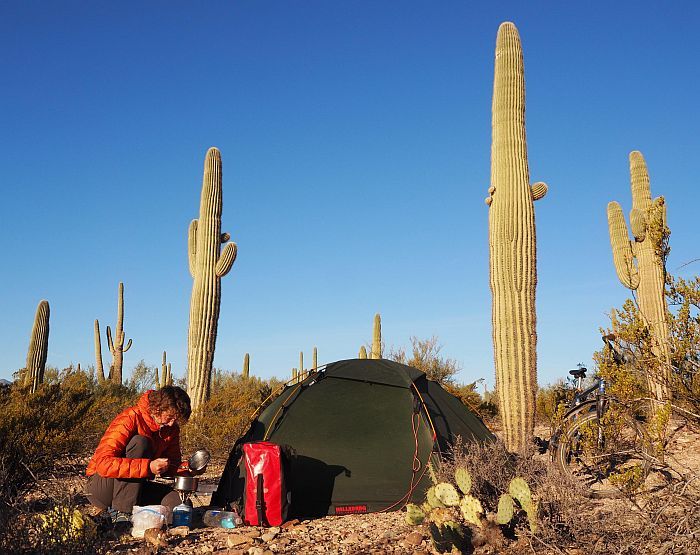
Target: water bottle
182 515
222 519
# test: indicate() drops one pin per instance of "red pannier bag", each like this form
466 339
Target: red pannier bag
265 490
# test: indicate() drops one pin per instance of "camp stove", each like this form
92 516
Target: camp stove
185 486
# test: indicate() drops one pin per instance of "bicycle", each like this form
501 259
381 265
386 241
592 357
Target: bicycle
600 441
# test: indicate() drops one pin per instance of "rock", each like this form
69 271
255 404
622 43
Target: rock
252 533
274 530
236 540
414 538
300 528
156 537
256 551
290 523
179 531
268 536
351 538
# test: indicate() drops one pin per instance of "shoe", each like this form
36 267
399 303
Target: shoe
121 521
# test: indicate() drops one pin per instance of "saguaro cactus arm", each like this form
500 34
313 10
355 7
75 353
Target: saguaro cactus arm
192 246
226 260
622 249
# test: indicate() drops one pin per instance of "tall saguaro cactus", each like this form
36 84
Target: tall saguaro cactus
208 264
38 347
246 366
377 337
98 353
512 246
640 263
314 360
116 344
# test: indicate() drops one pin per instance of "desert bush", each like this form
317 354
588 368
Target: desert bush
221 420
551 401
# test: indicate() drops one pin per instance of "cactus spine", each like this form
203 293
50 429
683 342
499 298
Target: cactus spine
98 353
38 347
377 337
647 276
512 247
116 345
362 353
208 264
246 366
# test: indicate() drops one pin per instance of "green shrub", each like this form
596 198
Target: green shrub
227 414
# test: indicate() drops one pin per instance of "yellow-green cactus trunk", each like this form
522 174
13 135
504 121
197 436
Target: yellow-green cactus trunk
38 347
208 264
377 337
98 354
116 344
246 366
647 276
512 263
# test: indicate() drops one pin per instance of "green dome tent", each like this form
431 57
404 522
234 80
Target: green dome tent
363 431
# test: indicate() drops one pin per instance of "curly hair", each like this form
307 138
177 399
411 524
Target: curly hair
170 398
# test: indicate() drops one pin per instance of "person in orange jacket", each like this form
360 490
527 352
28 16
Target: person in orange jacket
142 442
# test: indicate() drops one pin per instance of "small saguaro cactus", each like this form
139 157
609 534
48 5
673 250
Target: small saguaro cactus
166 373
377 337
362 353
640 263
208 264
98 354
246 366
38 347
116 344
512 247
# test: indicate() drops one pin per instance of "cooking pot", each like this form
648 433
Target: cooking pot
199 460
186 483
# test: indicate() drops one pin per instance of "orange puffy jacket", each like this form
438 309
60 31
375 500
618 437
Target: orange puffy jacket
109 461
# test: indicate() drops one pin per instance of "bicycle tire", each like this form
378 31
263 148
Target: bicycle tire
611 456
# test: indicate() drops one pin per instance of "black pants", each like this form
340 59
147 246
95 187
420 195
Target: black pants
123 493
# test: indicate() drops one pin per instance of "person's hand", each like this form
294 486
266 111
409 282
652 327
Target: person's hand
158 466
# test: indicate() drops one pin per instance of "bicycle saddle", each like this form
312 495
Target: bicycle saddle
579 372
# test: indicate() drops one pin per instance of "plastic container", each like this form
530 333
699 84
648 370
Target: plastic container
222 519
149 516
182 515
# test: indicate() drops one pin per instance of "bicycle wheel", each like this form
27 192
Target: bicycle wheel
611 455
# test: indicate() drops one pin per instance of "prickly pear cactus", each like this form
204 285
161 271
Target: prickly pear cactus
512 246
447 494
414 514
433 499
471 510
640 263
208 264
463 480
520 491
505 509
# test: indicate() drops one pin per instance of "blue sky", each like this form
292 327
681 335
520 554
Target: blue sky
355 139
